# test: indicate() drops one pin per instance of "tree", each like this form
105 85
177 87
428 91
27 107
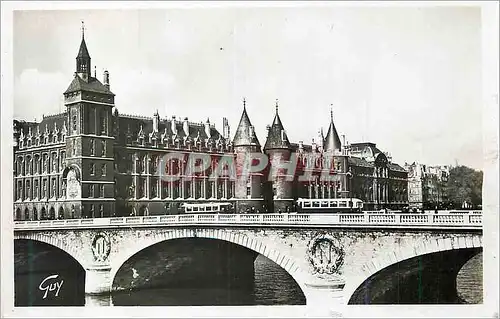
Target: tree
464 184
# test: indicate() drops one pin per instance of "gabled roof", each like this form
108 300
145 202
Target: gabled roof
93 85
245 133
332 140
276 137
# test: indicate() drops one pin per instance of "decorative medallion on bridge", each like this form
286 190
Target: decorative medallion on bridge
101 247
326 254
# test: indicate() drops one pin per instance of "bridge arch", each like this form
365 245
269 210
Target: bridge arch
282 260
405 252
53 241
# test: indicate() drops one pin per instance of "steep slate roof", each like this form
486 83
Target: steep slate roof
275 138
245 134
356 161
332 140
93 85
83 52
48 123
396 167
129 124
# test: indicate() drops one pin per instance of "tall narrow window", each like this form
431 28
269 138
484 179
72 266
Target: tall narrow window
91 190
92 147
101 190
74 121
103 170
103 148
103 122
92 169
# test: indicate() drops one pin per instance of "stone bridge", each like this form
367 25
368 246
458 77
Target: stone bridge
331 258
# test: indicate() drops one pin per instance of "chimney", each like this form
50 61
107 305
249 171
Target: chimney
185 126
207 128
174 126
225 128
156 119
301 145
106 79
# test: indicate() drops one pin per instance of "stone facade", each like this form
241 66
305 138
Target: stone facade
426 185
91 161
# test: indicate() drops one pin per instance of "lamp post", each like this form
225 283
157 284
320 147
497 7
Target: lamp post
349 176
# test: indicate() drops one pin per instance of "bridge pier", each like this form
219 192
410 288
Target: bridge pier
98 280
324 299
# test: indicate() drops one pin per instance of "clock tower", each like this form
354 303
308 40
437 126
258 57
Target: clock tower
89 171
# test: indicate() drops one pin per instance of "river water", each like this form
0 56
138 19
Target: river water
272 286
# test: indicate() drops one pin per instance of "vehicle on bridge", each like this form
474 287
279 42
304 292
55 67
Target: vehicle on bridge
329 205
209 208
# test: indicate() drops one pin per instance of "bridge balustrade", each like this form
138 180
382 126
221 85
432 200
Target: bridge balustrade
168 219
414 219
382 219
150 219
227 218
299 218
427 219
117 220
354 219
186 218
251 218
207 218
273 218
476 219
447 219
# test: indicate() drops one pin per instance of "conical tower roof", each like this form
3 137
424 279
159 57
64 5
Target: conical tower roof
332 140
83 52
245 133
276 137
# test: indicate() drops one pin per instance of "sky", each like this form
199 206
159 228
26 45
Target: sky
405 78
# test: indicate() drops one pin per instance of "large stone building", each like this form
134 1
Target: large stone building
92 161
426 185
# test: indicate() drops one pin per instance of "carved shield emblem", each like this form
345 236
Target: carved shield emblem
101 247
326 255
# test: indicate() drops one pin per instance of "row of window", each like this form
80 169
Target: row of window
92 189
43 192
31 165
92 169
188 190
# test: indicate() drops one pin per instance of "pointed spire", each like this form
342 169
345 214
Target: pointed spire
245 134
277 137
332 140
244 103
